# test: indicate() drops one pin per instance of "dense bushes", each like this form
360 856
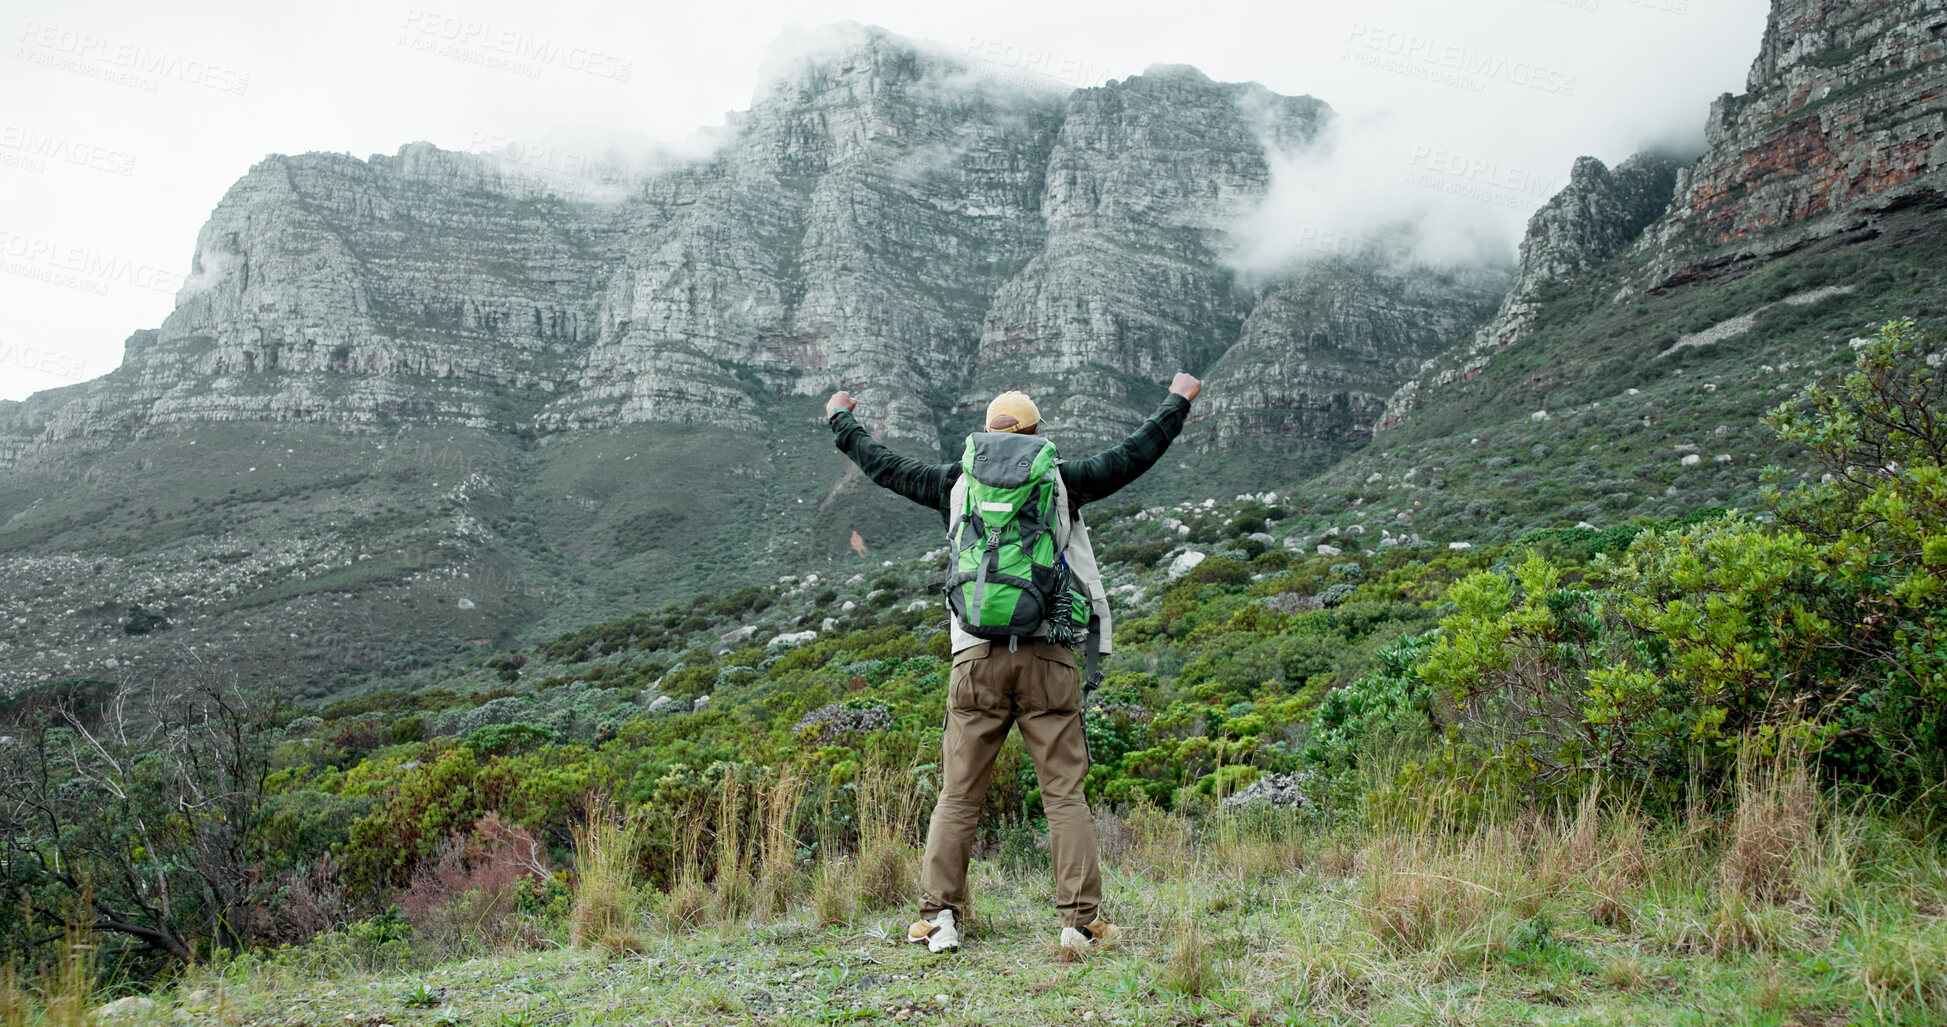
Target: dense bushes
1820 628
1651 654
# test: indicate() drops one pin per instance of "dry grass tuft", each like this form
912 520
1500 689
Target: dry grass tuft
606 906
1442 895
888 861
735 891
834 895
777 875
1160 845
1775 827
1192 966
1624 972
64 996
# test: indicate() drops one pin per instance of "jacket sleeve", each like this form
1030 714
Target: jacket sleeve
1099 476
929 485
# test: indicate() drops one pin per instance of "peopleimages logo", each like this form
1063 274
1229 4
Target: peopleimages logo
123 63
541 156
1014 58
1448 63
79 268
30 148
505 49
1482 170
46 361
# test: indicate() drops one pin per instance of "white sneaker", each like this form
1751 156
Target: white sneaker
1086 937
940 933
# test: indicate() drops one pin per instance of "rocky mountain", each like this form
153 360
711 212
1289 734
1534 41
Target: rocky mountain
1660 309
1842 124
1599 213
1843 120
426 401
417 404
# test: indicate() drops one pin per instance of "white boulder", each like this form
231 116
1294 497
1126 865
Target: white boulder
1184 564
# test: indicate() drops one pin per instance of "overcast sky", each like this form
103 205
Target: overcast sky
122 124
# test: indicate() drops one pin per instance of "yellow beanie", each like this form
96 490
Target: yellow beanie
1012 411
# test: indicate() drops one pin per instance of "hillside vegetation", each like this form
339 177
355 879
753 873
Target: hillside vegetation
1686 768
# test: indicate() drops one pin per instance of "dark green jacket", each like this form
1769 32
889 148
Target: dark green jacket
1097 477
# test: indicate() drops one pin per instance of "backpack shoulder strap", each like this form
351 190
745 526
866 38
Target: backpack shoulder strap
956 503
1064 523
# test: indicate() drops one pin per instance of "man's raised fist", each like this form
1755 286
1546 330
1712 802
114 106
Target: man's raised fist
1186 386
841 400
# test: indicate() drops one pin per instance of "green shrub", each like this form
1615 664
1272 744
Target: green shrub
505 739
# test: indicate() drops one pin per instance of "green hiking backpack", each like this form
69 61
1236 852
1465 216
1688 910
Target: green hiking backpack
1006 573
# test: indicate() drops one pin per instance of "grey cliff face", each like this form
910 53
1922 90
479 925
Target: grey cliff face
1145 180
1598 214
432 391
1843 117
880 220
1320 355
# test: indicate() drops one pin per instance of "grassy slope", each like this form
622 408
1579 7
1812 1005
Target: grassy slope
1565 918
1247 920
1617 413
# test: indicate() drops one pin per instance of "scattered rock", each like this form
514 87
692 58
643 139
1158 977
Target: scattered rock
839 722
665 705
128 1006
738 634
793 638
917 604
1290 602
1279 790
1691 460
466 604
1325 550
1184 564
1460 545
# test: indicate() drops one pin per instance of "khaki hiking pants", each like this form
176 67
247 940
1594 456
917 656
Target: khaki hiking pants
1039 689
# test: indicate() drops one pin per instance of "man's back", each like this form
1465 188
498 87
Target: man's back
1096 477
1031 684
